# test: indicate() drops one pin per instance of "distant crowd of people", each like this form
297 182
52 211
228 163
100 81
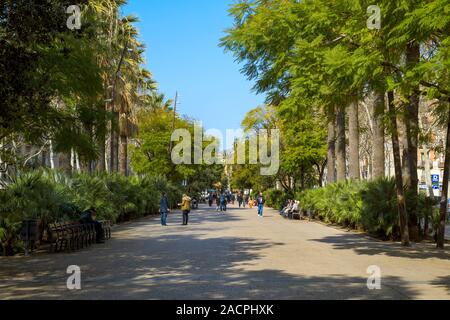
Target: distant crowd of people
220 200
245 199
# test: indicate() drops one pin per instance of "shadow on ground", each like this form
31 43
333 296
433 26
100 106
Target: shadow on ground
178 263
365 245
182 267
443 282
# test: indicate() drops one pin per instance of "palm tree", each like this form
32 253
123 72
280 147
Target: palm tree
131 80
105 15
157 101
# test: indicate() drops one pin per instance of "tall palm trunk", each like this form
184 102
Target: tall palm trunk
114 148
123 159
101 140
444 195
401 201
428 181
101 161
340 147
378 147
331 163
353 128
410 158
412 139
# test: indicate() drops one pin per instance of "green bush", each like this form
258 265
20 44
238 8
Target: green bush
380 212
370 206
49 196
276 198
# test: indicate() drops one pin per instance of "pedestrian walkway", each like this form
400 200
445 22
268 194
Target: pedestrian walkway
235 255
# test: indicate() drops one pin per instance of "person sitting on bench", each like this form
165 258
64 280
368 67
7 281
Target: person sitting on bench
288 209
90 217
295 208
285 207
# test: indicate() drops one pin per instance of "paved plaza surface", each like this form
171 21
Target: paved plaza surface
232 256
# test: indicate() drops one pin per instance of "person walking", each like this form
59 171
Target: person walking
210 200
240 200
223 203
164 208
246 197
186 208
218 202
260 202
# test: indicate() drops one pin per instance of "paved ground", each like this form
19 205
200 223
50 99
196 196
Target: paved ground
233 256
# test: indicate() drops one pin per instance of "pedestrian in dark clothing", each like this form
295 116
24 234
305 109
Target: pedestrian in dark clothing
223 203
260 202
210 200
164 209
239 199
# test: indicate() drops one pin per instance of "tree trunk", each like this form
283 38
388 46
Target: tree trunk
353 128
378 136
430 193
401 201
114 149
101 140
340 145
444 195
321 172
101 161
331 163
412 139
123 159
52 156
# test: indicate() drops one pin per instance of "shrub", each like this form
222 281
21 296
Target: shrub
49 195
371 206
275 198
380 212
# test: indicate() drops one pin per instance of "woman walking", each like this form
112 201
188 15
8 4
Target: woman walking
186 208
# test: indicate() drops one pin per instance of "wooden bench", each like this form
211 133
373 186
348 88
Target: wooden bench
71 236
296 215
59 236
106 225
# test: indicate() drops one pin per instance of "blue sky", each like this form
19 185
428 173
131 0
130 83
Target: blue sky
182 38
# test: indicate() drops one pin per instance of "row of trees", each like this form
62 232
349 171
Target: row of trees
302 152
151 152
70 92
317 60
80 100
82 97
